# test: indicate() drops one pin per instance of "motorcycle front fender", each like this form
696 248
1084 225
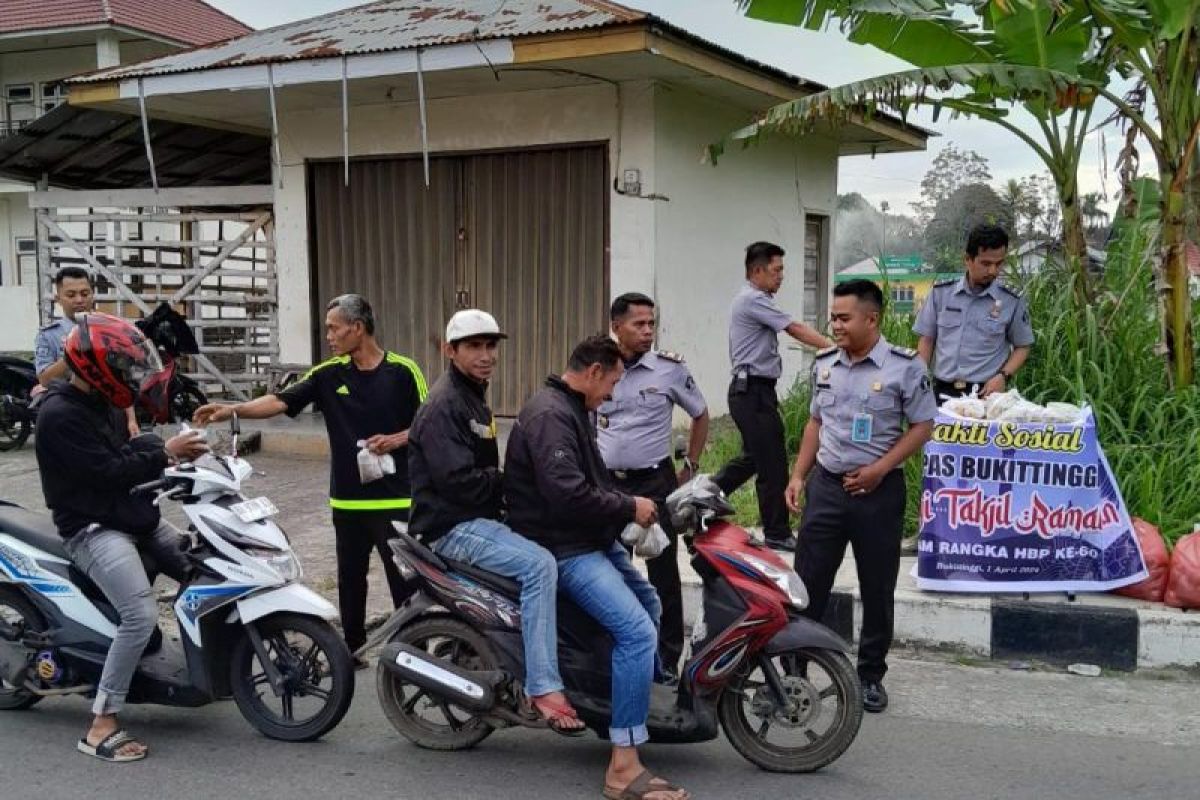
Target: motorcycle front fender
803 632
292 598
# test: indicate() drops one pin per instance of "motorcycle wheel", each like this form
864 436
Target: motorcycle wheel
424 720
14 428
821 719
318 678
186 397
16 609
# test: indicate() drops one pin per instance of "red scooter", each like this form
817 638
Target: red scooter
780 685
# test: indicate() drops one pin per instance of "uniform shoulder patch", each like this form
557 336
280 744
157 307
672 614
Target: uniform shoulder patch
826 352
1014 292
669 356
946 282
903 352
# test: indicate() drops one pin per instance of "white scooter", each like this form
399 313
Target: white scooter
247 626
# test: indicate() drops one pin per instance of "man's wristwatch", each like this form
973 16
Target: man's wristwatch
1005 374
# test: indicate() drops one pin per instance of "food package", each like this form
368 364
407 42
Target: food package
999 402
1022 411
646 542
372 467
969 407
1183 583
1158 562
1063 412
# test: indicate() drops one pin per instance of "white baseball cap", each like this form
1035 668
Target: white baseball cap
472 322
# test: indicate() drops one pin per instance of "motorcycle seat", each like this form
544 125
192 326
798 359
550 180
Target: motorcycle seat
35 530
501 584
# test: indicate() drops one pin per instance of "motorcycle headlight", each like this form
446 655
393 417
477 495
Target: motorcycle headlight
786 580
286 564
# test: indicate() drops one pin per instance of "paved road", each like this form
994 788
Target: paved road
954 732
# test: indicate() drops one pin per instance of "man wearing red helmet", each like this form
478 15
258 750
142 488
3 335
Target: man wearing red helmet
88 464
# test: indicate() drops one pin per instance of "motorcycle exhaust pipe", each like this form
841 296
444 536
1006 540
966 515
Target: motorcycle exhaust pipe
470 689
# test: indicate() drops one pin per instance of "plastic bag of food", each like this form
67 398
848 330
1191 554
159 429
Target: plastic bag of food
1183 584
1158 563
1022 411
1063 412
969 407
999 402
646 542
372 467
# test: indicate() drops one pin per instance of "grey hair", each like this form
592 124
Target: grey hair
354 308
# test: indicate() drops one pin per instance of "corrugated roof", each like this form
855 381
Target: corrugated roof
384 26
189 21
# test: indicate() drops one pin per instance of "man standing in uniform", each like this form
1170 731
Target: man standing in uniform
754 328
458 497
634 432
849 468
365 394
76 294
975 331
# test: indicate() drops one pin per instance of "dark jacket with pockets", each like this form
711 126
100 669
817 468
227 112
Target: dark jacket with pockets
558 490
88 464
453 459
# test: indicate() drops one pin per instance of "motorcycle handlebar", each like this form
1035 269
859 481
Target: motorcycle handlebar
149 486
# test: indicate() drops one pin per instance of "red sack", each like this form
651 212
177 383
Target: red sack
1158 562
1183 587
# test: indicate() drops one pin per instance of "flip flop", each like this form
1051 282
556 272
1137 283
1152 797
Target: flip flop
108 747
554 715
641 786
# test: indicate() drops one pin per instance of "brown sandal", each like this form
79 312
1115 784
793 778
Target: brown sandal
641 786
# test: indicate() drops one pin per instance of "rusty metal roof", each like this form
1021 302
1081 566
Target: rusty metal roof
383 26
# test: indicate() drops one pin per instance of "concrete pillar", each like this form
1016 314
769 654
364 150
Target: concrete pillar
108 49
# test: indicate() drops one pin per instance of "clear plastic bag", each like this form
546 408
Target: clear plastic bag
646 542
372 467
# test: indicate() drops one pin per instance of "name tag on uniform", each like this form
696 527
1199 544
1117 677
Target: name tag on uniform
860 429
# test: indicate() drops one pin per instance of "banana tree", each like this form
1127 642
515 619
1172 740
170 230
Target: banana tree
1035 53
1159 46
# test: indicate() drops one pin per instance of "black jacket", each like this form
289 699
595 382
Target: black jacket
88 464
558 489
453 461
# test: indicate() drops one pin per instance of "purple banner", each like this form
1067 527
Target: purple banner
1022 507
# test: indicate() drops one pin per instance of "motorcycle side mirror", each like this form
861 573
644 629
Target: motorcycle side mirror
235 428
680 447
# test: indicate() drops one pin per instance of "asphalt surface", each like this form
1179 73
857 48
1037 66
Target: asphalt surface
953 732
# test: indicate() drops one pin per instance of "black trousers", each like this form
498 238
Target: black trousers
872 524
358 532
663 569
764 454
944 390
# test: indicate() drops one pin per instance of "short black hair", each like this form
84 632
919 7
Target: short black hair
599 349
863 289
73 272
986 237
355 308
759 254
620 306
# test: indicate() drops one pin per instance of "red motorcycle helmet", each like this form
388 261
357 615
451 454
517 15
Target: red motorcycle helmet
112 356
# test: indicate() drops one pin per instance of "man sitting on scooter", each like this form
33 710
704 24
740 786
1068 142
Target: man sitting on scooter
88 464
559 495
454 467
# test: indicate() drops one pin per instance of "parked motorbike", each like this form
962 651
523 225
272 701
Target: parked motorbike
17 379
780 685
169 396
247 626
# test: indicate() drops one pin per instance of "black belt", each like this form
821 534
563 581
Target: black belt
637 474
957 386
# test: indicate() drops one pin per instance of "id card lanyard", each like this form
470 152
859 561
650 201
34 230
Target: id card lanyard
860 430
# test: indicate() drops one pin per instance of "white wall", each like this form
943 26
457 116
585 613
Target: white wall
18 304
713 213
523 119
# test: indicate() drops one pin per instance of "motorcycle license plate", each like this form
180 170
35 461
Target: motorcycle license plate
254 510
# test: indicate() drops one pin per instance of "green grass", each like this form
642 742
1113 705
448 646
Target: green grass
1104 355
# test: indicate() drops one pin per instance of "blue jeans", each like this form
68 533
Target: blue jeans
608 587
492 546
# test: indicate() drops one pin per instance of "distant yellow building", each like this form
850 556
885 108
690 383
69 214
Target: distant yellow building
904 279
